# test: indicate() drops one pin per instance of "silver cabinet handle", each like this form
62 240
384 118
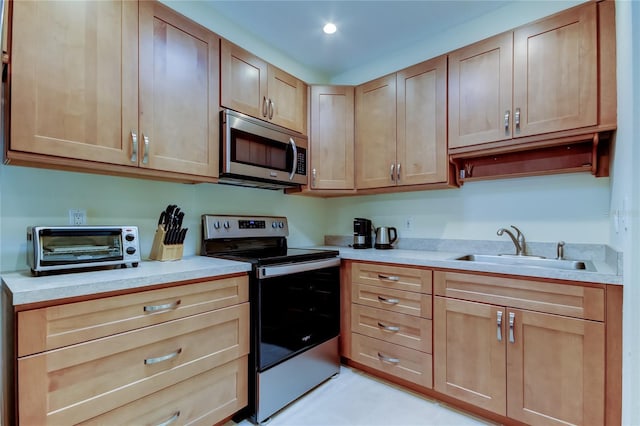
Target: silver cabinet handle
516 119
314 176
145 156
164 307
507 114
294 160
393 168
388 301
512 319
499 323
170 419
398 173
264 106
272 106
388 359
388 327
134 149
388 277
166 357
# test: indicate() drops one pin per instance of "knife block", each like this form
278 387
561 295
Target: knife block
162 251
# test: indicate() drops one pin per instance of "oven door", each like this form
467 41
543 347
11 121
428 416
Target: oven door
257 150
298 308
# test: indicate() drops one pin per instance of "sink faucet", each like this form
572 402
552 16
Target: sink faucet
518 241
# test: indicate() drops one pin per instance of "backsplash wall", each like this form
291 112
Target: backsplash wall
31 196
571 207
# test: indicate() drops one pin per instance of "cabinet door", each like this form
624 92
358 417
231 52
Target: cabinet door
74 79
376 133
555 369
469 352
243 81
287 100
555 84
332 137
422 123
178 93
480 78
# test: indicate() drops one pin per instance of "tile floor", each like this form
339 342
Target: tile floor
356 398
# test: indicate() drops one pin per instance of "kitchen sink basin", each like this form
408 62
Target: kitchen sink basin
535 261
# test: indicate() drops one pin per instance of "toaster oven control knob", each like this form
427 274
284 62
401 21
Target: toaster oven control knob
131 250
129 237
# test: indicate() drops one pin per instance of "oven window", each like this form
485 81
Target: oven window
296 312
258 151
69 247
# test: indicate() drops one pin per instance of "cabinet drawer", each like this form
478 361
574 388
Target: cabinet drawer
399 361
205 399
397 277
401 329
404 302
57 326
562 299
76 383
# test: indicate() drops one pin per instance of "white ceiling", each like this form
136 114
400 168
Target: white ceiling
367 30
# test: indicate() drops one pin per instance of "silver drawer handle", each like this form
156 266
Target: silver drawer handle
165 307
385 358
388 277
162 358
388 327
389 301
170 420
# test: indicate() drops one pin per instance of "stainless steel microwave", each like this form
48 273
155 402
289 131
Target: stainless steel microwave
259 154
54 248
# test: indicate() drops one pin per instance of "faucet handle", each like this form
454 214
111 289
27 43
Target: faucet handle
521 241
560 250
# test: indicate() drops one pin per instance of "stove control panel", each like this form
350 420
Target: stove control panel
227 226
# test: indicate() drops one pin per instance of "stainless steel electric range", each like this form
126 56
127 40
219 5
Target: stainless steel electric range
295 308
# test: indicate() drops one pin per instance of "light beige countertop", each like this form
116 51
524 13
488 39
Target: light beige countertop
25 288
605 272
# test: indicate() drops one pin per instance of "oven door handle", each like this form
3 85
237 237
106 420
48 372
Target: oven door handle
293 268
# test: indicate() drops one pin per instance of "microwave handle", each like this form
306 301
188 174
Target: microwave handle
294 165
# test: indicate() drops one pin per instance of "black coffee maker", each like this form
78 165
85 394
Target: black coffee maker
362 229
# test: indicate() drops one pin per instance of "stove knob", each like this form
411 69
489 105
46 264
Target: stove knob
280 224
216 224
226 224
274 225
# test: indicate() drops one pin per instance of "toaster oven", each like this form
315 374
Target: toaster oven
55 248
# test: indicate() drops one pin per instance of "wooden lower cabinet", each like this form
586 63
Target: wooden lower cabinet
535 367
185 364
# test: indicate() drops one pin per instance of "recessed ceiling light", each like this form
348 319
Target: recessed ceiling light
329 28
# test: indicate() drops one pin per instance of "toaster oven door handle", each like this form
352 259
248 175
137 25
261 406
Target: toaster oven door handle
294 160
293 268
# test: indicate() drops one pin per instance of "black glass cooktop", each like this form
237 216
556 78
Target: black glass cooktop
274 256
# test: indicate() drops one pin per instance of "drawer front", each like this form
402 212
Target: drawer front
561 299
57 326
408 364
404 302
205 399
75 383
396 277
401 329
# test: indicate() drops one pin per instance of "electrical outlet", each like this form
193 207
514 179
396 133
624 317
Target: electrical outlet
77 217
408 223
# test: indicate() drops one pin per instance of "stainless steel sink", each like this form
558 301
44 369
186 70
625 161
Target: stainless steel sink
535 261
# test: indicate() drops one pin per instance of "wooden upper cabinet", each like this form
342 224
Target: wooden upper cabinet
256 88
243 84
332 137
540 78
421 123
480 80
179 90
555 73
376 133
74 87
